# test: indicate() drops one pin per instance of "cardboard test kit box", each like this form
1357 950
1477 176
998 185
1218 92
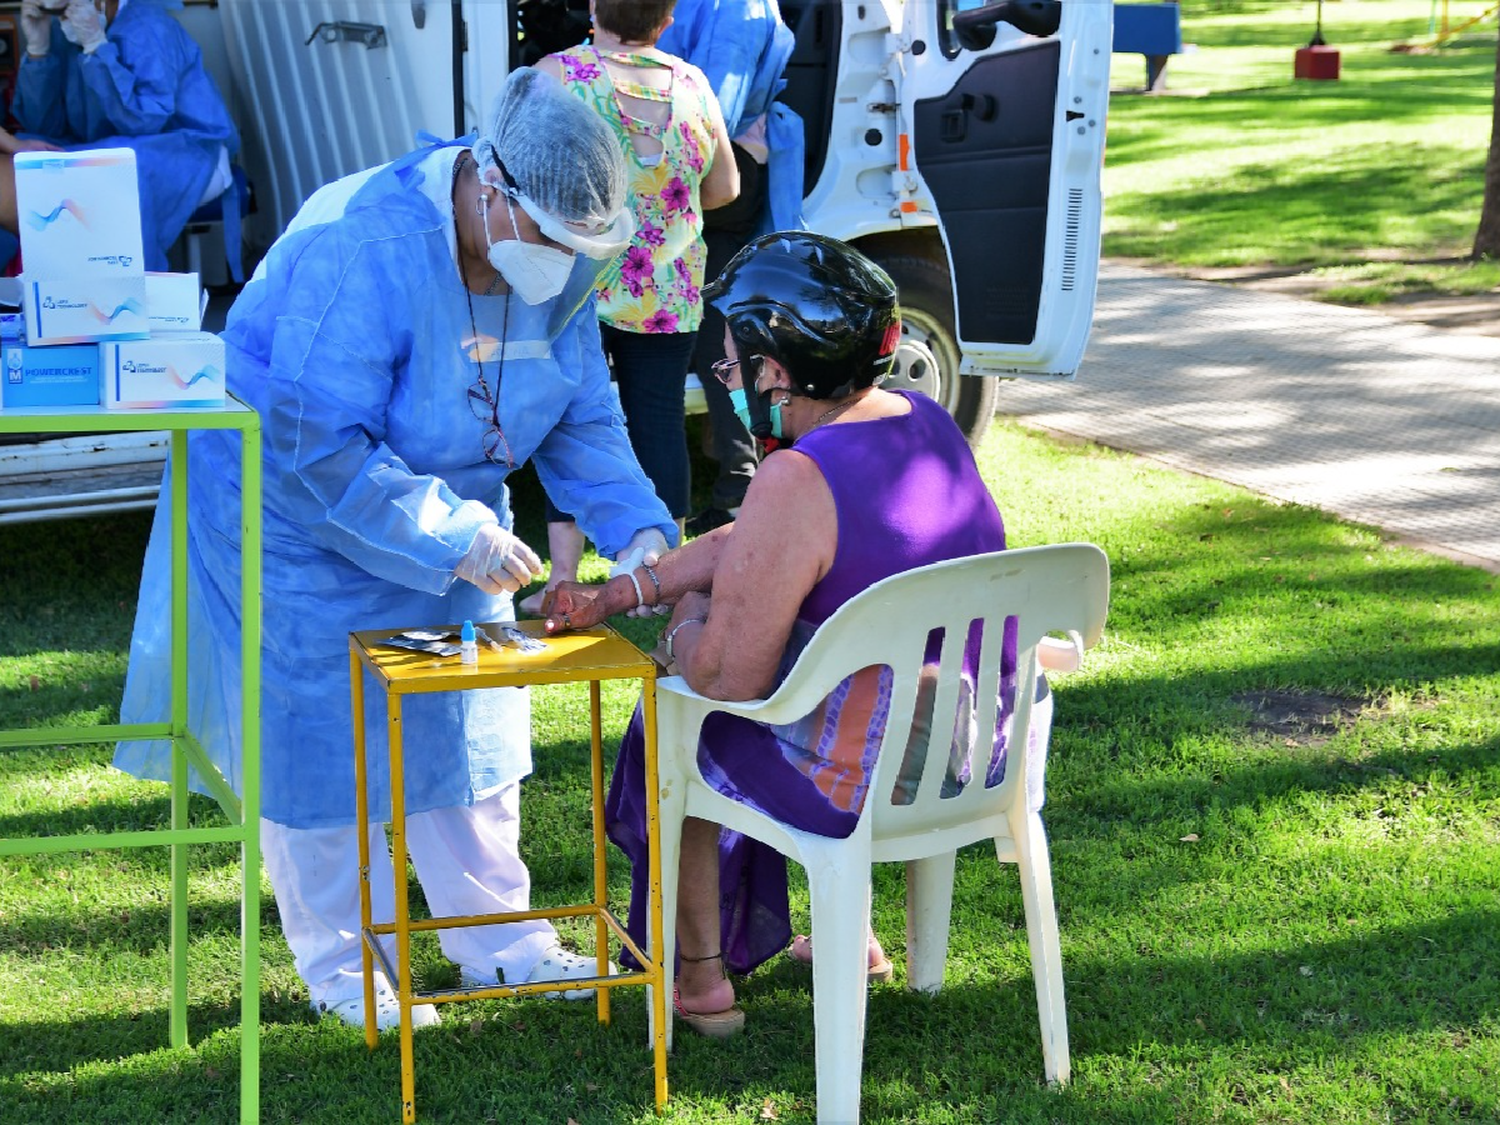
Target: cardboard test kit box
175 302
180 369
76 309
79 213
60 376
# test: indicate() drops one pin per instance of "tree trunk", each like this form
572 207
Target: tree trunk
1487 240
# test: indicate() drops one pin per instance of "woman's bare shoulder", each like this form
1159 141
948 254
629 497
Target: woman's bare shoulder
784 471
787 493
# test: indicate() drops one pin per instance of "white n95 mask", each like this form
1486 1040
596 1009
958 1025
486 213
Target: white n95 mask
534 273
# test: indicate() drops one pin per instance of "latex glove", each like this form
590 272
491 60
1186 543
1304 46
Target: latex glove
36 27
645 548
498 561
82 24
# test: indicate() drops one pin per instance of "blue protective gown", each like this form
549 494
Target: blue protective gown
742 46
353 343
145 88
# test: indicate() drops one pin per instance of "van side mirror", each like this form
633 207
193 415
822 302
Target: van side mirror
975 29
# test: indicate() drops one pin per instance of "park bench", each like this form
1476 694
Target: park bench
1153 30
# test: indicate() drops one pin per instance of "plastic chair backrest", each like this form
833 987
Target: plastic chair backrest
1047 589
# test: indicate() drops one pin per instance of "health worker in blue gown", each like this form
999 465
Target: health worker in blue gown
126 75
421 330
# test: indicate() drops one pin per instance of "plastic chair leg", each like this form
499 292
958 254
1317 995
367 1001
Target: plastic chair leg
840 893
929 901
195 255
1035 867
673 807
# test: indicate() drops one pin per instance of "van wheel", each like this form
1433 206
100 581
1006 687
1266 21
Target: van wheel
928 356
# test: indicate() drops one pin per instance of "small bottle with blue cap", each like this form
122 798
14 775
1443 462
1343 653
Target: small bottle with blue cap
468 652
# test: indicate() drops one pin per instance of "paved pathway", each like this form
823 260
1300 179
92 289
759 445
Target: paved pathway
1382 421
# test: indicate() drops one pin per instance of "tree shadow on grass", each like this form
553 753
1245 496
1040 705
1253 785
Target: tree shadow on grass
975 1046
1358 185
1124 799
140 930
1340 998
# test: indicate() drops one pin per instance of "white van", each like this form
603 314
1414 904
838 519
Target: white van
959 146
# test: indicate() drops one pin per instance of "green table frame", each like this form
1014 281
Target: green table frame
242 810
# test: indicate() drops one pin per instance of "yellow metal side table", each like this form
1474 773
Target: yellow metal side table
590 657
242 810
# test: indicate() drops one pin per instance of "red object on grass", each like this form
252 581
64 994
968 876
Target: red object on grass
1317 63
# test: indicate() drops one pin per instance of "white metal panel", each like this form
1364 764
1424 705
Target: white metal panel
315 111
80 475
491 26
1073 225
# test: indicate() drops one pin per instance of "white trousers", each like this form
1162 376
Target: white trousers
468 861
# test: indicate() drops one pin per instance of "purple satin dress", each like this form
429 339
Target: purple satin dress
907 493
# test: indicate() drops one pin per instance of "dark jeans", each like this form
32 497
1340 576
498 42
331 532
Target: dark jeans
725 231
649 369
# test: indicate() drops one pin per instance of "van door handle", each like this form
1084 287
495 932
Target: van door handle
372 35
419 14
955 120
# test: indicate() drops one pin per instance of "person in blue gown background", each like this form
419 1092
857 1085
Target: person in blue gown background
742 47
126 76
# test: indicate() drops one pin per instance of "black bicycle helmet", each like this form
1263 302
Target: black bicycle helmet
814 304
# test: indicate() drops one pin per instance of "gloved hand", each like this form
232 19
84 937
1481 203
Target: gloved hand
36 27
498 561
645 548
82 24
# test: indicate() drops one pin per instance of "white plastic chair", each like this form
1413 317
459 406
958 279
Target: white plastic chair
1048 589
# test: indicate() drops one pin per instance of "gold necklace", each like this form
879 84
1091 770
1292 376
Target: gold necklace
831 411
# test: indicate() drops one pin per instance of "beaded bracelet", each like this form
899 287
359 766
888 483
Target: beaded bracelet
651 574
672 632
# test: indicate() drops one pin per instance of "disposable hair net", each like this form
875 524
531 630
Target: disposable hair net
556 156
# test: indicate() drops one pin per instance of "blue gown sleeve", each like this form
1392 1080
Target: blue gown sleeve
338 344
585 463
736 45
39 105
784 170
133 83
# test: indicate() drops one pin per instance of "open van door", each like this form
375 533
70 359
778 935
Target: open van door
1003 108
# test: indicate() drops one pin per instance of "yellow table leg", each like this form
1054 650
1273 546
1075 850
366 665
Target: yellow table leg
362 827
601 855
402 984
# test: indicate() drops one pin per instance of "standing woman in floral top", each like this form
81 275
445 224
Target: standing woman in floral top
669 124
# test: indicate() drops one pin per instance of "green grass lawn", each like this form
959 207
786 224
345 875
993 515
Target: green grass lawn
1375 180
1274 805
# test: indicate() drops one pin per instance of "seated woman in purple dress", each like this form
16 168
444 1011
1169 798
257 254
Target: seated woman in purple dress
862 483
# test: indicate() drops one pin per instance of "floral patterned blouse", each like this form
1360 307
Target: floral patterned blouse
654 286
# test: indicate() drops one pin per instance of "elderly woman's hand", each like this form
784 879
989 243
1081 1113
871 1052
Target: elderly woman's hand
582 605
692 604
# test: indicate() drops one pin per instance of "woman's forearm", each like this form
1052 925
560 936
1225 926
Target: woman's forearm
683 573
688 569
